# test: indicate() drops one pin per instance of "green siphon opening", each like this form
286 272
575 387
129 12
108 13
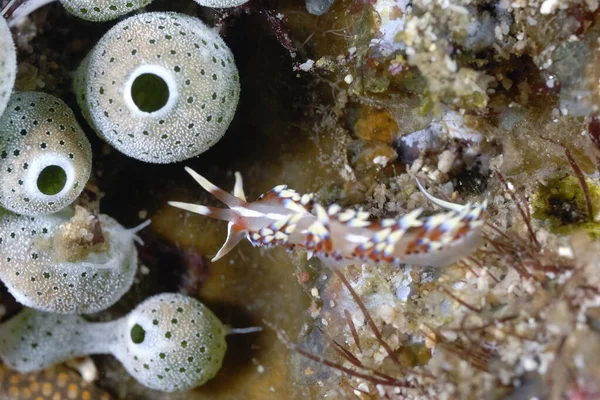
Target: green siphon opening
138 334
52 180
149 92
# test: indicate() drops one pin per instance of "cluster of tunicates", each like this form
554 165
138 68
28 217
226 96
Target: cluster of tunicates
160 87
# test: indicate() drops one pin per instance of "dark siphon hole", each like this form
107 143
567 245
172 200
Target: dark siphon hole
149 92
137 334
52 180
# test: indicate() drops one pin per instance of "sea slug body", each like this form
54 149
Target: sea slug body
283 217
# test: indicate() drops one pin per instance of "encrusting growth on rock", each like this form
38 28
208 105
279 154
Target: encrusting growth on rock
160 87
45 158
169 342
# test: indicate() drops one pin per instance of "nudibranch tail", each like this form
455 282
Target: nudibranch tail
235 233
442 203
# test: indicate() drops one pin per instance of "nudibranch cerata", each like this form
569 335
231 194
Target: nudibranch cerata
339 237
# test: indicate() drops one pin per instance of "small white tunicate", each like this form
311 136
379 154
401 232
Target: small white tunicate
8 64
169 342
102 10
45 268
45 157
160 87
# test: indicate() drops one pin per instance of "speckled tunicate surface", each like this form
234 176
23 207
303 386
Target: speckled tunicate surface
39 136
34 340
8 64
102 10
183 343
44 269
169 342
221 3
190 60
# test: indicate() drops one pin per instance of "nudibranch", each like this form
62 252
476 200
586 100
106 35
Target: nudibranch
169 342
339 237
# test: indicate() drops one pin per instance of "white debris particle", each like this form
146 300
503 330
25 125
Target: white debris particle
260 369
142 214
381 160
565 251
529 364
402 293
549 6
306 66
446 160
314 292
349 79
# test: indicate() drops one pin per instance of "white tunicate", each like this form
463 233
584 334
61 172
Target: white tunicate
159 87
102 10
45 158
8 64
172 342
221 3
65 263
169 342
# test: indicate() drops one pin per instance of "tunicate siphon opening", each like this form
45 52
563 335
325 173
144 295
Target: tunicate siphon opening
137 334
52 180
149 92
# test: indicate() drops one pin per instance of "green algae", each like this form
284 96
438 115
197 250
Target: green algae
562 204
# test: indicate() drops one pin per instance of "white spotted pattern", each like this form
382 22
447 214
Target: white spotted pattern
189 57
169 342
38 131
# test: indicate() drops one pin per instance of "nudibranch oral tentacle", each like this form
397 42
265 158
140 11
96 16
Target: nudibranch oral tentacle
283 217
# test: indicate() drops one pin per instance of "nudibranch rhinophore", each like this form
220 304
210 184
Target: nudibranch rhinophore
169 342
283 217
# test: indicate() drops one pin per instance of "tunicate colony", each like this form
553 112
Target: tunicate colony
160 87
